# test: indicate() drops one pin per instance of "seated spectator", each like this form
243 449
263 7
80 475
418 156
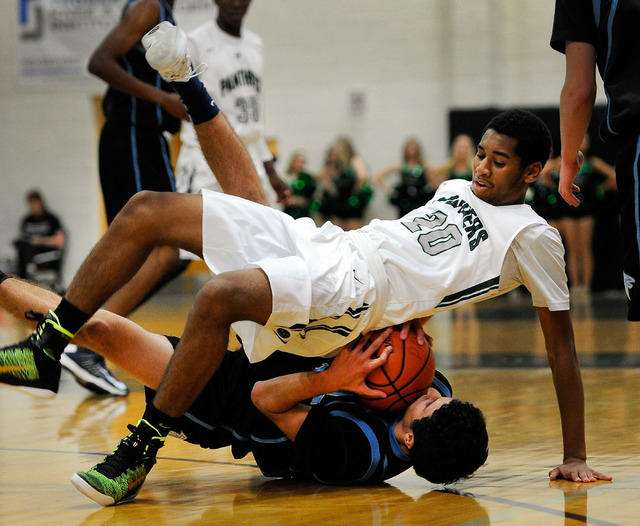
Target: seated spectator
41 242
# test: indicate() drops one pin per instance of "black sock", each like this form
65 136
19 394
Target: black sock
197 100
4 276
70 316
158 419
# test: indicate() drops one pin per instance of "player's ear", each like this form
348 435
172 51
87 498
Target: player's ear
532 172
408 439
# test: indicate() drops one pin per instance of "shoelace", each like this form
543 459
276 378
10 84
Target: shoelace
32 315
132 448
115 463
184 71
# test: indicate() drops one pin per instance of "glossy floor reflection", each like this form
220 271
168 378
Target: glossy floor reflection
494 356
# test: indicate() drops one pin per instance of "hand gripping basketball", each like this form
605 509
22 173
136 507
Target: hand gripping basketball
405 376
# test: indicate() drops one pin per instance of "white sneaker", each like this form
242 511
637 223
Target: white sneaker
168 54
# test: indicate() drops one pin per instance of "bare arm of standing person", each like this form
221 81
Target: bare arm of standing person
576 105
137 21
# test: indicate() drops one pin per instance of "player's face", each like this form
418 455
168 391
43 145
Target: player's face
498 178
232 12
425 405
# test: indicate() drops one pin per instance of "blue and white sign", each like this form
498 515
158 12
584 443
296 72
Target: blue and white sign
56 37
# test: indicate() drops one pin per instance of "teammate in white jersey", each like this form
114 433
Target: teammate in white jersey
235 59
288 285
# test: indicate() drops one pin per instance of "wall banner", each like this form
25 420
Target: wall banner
56 37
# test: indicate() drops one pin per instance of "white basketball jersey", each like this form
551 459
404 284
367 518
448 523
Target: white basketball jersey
450 252
234 80
328 285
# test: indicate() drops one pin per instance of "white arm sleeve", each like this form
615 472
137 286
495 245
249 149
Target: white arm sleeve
539 256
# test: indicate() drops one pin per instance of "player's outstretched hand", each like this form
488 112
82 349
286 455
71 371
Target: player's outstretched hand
577 471
350 368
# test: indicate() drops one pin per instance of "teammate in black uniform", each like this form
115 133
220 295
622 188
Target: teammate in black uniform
139 107
604 35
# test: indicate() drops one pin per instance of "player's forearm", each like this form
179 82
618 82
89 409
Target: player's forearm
575 115
570 394
577 97
563 361
282 393
229 160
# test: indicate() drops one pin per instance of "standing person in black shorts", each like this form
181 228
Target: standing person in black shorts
603 36
139 107
332 439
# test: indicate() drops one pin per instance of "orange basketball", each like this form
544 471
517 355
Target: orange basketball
405 376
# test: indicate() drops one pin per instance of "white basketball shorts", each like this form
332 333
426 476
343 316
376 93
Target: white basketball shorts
321 285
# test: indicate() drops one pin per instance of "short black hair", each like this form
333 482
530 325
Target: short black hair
533 137
451 444
34 194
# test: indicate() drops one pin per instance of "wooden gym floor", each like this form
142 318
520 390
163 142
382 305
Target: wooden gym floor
494 356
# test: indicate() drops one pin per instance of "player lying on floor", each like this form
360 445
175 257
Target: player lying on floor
287 285
336 439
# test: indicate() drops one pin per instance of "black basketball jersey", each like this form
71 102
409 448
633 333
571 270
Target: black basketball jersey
124 108
342 441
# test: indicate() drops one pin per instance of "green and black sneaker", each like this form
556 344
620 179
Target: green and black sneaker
33 365
119 477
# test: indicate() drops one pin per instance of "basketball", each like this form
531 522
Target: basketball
405 376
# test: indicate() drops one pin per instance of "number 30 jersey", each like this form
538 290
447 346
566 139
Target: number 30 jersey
459 249
234 80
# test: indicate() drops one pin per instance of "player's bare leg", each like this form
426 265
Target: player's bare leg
108 334
227 298
162 265
149 220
